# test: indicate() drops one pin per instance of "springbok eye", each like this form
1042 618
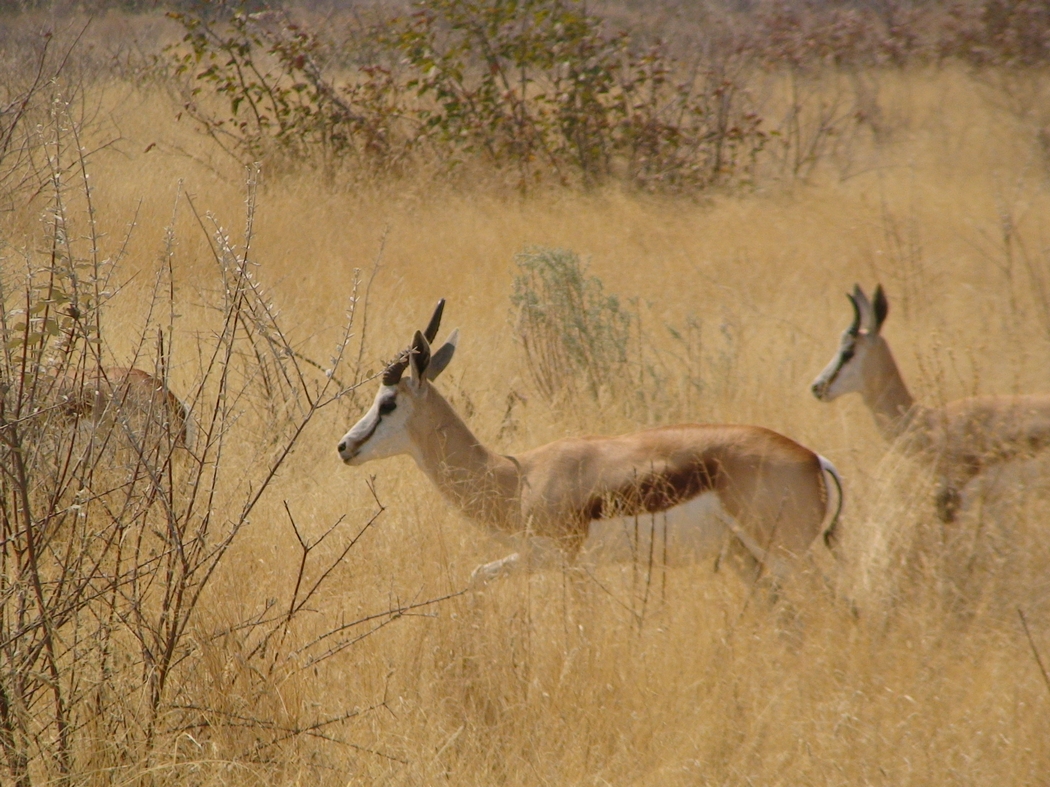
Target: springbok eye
847 354
388 406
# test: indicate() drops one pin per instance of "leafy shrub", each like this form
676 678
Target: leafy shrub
536 86
267 70
571 330
541 86
548 91
1014 33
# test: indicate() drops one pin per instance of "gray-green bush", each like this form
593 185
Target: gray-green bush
575 335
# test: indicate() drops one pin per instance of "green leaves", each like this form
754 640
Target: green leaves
538 88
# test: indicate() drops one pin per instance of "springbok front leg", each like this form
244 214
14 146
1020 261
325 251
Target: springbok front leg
536 553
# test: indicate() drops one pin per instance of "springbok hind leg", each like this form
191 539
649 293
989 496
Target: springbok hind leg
755 567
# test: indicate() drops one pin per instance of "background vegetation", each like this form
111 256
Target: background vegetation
261 205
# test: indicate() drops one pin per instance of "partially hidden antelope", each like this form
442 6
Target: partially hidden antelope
723 486
112 394
961 439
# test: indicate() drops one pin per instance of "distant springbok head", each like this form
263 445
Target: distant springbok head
861 346
385 429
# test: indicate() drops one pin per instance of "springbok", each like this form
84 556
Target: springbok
111 393
960 439
770 494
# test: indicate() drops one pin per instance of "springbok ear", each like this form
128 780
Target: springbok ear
881 306
419 357
439 360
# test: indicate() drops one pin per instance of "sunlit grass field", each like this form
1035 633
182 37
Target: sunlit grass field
641 674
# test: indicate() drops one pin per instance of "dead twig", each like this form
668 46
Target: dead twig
1035 651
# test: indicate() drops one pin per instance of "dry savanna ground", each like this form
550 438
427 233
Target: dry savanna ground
641 674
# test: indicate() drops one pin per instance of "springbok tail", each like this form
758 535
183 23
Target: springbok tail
832 526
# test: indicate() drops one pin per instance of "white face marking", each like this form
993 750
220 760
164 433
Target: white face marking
845 373
381 432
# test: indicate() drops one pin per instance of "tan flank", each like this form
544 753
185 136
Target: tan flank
117 394
772 492
960 439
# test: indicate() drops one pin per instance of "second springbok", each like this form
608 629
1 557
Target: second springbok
109 395
961 439
749 488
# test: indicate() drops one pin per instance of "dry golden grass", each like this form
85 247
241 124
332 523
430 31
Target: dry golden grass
682 677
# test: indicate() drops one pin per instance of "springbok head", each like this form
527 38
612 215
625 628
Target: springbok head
384 430
860 341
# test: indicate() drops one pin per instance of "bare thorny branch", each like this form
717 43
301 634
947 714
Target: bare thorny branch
106 555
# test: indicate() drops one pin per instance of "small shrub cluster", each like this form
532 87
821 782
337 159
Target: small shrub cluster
1012 33
266 70
541 86
580 338
575 336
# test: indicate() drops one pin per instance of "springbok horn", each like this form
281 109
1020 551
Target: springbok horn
392 373
854 329
435 322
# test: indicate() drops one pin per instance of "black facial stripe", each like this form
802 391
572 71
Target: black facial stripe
371 432
386 406
387 401
845 356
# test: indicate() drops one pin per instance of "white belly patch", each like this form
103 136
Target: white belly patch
691 530
694 531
